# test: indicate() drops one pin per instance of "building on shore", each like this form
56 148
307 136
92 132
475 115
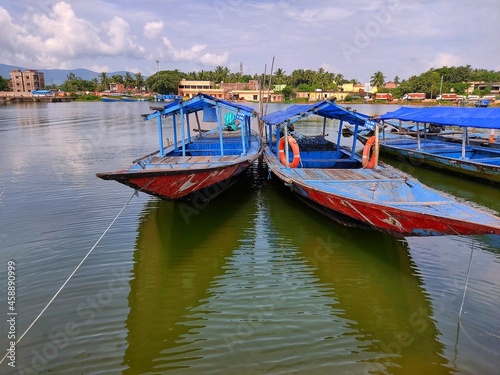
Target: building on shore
26 81
248 91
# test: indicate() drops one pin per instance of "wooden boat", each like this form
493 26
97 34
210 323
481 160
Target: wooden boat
332 179
196 167
110 99
129 99
467 159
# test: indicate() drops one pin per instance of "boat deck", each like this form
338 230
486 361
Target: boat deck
191 162
336 176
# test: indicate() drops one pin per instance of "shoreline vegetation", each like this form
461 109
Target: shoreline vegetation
296 87
95 98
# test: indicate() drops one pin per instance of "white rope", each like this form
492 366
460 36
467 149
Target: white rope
466 280
71 275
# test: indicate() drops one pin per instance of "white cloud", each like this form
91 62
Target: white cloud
153 29
195 54
54 37
214 59
445 59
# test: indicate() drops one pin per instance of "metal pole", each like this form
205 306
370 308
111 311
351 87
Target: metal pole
183 140
286 145
219 120
160 135
175 132
377 145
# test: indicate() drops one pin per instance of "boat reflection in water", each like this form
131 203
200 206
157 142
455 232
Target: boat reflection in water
256 284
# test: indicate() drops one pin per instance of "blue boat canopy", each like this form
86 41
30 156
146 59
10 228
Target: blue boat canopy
488 118
200 102
325 108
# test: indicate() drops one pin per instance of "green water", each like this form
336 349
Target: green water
250 283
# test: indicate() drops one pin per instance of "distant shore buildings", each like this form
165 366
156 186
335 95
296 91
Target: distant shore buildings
246 91
26 81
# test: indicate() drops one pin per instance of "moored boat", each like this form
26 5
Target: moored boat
197 167
129 99
470 160
362 192
110 99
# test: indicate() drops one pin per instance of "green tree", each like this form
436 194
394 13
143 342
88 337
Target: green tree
103 81
165 81
287 92
377 79
128 80
4 84
139 80
279 76
117 78
221 74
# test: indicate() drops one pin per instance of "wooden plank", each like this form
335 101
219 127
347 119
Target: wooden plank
430 203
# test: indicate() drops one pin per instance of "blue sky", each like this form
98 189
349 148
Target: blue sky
355 38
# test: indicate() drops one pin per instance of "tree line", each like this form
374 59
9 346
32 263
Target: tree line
454 79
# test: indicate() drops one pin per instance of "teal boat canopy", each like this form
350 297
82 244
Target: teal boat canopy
488 118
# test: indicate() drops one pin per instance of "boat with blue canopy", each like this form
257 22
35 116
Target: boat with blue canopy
199 164
356 190
468 159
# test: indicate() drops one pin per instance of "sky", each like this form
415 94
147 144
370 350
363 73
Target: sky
355 38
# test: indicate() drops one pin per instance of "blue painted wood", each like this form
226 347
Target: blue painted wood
482 163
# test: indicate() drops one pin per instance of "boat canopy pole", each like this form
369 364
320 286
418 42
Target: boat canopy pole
198 123
355 137
175 132
324 126
286 145
418 136
277 137
160 135
377 146
188 127
243 130
383 130
183 135
219 121
339 135
464 141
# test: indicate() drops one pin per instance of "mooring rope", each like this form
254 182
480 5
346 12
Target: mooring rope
466 280
72 273
459 323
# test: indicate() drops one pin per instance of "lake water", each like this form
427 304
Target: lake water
250 283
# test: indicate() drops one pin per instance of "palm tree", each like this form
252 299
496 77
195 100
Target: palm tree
117 78
377 79
221 74
279 76
103 81
139 80
339 79
128 80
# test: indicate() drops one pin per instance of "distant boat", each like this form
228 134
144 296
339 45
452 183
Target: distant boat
128 99
357 191
477 162
110 99
482 103
199 167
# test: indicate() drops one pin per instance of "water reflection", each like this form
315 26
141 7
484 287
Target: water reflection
259 285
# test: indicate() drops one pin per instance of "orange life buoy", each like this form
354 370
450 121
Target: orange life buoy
368 161
295 148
